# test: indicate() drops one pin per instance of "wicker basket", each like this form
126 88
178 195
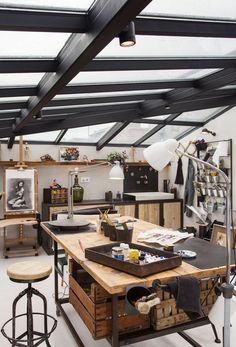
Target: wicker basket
166 314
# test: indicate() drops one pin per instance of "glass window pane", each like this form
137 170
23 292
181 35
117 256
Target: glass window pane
168 132
48 136
210 8
29 44
162 117
90 134
172 46
147 75
198 116
60 4
20 79
132 133
14 99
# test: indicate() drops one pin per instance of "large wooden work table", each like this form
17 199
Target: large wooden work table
114 281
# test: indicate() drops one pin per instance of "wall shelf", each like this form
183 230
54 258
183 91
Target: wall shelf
8 163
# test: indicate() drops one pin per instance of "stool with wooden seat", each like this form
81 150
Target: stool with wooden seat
29 272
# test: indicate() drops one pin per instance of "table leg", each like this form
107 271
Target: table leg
115 330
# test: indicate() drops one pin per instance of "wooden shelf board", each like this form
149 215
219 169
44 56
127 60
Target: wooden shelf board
63 163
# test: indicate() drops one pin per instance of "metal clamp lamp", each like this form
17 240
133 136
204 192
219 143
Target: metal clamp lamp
158 155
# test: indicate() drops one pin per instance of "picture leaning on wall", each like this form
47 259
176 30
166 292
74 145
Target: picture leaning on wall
19 190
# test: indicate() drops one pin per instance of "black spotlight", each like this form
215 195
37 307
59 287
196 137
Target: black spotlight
127 36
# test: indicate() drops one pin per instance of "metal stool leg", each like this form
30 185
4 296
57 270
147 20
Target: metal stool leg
24 292
30 329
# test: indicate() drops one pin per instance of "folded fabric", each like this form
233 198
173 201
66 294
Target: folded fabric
186 291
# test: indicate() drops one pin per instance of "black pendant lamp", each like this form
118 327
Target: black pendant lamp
127 36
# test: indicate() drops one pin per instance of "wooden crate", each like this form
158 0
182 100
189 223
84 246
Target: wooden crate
166 314
94 306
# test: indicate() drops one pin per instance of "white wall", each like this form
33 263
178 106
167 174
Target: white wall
224 127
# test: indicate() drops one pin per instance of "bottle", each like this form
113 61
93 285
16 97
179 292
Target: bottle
78 191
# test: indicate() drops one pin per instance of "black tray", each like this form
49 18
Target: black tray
102 255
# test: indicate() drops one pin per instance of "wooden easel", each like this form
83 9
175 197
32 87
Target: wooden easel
21 245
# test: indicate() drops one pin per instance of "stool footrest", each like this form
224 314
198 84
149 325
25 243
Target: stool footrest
41 336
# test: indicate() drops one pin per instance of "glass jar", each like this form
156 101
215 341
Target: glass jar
78 191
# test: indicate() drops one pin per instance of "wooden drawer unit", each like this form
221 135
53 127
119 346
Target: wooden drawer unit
93 304
149 212
172 212
126 210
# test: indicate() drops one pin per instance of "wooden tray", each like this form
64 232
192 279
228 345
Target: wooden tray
102 255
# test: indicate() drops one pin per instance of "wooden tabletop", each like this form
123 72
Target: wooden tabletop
112 280
17 221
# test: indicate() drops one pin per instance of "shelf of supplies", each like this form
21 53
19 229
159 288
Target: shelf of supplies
11 163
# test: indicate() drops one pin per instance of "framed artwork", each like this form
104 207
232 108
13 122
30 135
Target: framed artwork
21 191
218 236
69 153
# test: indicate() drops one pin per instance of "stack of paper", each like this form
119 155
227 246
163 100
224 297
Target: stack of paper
164 237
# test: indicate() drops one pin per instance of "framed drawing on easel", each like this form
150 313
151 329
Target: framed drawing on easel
21 190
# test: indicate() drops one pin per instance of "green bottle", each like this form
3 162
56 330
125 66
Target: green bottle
78 191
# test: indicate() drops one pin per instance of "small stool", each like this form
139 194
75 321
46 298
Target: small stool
29 272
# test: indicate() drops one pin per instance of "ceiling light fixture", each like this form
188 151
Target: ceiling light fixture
206 131
38 116
127 36
116 172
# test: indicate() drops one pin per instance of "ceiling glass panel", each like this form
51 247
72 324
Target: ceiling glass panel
172 46
132 133
147 75
162 117
20 79
89 134
15 98
168 132
210 8
108 94
198 116
29 44
48 136
60 4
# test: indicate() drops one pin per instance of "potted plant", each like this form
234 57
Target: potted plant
116 156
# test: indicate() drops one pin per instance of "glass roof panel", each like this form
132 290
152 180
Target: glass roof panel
162 117
90 134
132 133
210 8
53 4
172 46
198 116
14 98
168 132
47 136
30 44
20 79
143 75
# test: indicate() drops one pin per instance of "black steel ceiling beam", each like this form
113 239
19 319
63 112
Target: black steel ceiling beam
37 19
24 65
187 26
10 142
107 18
19 19
60 136
174 122
8 105
155 129
99 87
156 63
110 134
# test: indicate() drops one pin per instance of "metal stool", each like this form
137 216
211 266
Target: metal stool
29 272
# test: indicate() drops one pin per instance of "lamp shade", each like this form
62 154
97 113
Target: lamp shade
116 172
159 154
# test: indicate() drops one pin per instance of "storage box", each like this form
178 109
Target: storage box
55 196
166 314
102 255
93 303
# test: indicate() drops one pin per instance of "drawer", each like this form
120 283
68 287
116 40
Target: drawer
97 315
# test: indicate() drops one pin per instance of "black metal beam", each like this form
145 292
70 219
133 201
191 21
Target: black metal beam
60 136
111 133
159 63
107 18
10 142
155 129
174 122
187 26
7 91
37 19
21 65
20 19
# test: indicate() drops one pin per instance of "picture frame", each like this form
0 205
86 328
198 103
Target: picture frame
69 153
21 191
218 236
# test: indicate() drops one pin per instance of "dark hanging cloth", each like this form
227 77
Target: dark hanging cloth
186 291
189 190
179 174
